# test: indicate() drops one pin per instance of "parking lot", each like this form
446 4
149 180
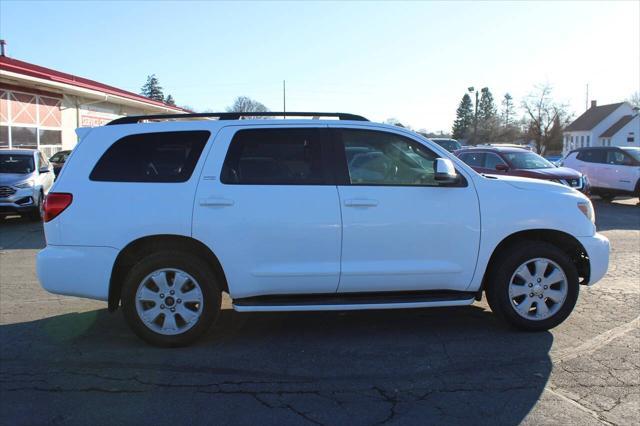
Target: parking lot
67 360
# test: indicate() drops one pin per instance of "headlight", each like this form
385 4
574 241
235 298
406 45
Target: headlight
587 209
25 184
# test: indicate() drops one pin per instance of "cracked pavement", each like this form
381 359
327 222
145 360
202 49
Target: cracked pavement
65 360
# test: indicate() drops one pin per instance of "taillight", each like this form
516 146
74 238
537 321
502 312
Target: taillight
55 203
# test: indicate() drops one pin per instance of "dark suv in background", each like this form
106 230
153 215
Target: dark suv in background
521 162
450 145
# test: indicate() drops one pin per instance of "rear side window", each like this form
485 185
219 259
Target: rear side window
592 155
275 157
151 157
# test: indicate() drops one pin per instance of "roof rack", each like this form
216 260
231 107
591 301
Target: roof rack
233 116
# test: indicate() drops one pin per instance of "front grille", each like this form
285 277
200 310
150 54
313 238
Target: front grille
6 191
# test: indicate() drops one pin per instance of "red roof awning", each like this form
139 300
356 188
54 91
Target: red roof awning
25 68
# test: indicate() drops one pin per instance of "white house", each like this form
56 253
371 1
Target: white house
606 125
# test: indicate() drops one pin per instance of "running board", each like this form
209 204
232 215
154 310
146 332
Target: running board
353 301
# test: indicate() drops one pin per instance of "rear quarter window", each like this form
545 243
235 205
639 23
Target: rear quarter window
151 157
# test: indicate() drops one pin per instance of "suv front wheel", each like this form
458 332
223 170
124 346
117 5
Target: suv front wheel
534 287
170 299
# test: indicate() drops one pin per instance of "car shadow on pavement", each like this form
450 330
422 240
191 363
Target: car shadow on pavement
20 233
620 215
430 366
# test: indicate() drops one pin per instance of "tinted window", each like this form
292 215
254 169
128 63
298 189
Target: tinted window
151 157
274 157
592 156
474 159
380 158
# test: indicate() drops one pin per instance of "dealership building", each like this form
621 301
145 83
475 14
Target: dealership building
40 108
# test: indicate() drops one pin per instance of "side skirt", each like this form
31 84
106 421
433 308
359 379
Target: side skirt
353 301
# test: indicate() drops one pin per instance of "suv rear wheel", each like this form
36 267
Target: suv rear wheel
534 287
170 299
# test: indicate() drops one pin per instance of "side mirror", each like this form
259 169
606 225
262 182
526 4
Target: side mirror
44 170
502 167
445 172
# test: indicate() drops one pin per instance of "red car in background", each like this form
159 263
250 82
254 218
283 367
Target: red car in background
521 162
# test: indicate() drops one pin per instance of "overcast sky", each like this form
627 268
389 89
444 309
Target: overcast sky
412 61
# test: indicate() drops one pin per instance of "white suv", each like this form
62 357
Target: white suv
303 215
611 171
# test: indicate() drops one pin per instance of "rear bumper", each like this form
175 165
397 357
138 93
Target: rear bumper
76 270
598 249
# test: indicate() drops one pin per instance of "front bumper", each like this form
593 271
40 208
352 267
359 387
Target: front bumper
76 270
598 249
20 201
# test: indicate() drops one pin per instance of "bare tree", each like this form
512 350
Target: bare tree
394 122
634 99
544 115
246 104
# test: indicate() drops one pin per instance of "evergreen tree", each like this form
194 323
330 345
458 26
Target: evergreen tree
508 110
554 138
464 118
152 89
486 106
169 101
487 118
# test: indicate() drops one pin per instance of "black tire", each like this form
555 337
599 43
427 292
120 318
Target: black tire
36 214
199 270
497 290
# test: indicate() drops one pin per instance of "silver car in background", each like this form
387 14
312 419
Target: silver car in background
25 178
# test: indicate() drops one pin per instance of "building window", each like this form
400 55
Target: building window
631 138
29 120
588 140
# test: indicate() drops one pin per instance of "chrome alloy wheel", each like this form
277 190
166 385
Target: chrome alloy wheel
169 301
538 289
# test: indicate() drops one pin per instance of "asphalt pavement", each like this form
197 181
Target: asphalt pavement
65 360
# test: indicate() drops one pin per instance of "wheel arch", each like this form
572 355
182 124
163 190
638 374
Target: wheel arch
138 249
566 242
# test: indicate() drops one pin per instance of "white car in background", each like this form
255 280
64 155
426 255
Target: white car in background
612 171
25 178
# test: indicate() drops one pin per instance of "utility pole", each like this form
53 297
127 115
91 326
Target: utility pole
475 115
586 100
284 97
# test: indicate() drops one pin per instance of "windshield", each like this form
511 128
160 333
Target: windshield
634 152
527 160
60 157
16 163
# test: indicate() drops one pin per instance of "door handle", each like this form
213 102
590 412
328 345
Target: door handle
360 202
215 202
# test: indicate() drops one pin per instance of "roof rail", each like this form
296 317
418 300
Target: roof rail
233 116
